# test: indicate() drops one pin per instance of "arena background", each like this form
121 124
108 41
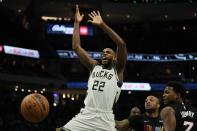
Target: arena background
161 37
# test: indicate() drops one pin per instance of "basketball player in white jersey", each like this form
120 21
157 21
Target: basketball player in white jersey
104 81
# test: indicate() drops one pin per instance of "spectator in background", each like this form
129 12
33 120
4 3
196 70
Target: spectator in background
135 111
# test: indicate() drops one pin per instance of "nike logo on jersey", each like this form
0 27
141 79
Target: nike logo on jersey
102 74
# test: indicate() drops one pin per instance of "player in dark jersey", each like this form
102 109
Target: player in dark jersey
176 115
149 121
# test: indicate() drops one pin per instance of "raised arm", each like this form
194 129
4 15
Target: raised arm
76 43
168 116
121 52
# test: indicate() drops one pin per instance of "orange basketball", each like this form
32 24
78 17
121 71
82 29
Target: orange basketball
34 107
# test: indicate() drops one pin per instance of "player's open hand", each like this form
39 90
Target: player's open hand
95 18
78 16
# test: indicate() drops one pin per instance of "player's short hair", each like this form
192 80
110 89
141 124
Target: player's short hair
177 87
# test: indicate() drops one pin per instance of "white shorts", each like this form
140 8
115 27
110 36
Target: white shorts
91 120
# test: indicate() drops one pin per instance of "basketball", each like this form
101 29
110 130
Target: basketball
34 107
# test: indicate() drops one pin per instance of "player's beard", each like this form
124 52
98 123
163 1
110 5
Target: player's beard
150 110
108 65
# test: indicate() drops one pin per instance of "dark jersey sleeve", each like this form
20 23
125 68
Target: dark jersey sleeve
136 122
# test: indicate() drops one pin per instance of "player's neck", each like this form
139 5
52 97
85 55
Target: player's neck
108 66
180 100
152 114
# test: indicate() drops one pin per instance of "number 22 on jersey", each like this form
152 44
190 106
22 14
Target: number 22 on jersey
98 85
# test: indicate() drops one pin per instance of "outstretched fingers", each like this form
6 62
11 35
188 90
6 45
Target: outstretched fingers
98 12
95 14
77 8
91 16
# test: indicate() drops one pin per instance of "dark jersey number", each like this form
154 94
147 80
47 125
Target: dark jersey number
98 85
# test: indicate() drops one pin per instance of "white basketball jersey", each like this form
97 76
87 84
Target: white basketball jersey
103 90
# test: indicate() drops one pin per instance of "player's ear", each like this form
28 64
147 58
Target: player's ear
114 60
178 96
158 105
